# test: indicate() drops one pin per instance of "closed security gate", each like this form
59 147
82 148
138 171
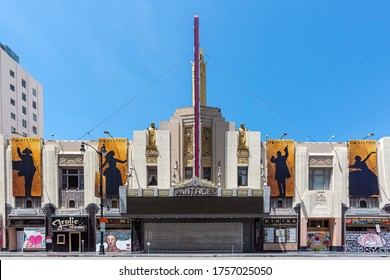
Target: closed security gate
193 237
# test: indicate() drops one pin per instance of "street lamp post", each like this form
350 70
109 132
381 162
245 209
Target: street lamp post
101 153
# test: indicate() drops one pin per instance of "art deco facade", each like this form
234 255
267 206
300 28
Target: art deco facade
251 195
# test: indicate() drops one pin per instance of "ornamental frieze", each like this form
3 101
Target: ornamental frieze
70 161
321 161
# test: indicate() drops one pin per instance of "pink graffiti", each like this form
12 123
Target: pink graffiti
35 239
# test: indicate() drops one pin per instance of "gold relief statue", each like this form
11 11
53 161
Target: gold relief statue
242 149
242 136
152 135
151 148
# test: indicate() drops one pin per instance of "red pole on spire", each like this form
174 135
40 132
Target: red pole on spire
196 88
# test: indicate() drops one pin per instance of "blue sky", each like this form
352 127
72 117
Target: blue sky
311 69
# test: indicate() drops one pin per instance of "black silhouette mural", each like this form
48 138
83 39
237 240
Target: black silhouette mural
282 173
114 164
280 154
26 155
113 174
363 180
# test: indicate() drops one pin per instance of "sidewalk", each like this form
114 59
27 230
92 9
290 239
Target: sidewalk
193 255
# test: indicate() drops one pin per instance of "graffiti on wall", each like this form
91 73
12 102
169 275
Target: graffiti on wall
318 241
115 241
34 238
360 241
1 232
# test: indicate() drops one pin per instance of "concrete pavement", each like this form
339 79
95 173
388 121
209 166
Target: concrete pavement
193 255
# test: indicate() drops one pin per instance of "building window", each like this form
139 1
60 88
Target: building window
318 223
13 116
242 176
72 204
61 239
35 130
34 117
279 203
280 235
13 129
207 173
114 203
34 104
363 204
319 178
24 123
34 92
72 179
12 87
24 96
24 110
29 204
12 73
24 83
188 173
13 102
152 175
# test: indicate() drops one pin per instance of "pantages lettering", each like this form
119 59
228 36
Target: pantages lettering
70 223
195 191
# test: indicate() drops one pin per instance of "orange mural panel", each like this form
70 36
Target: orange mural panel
363 171
26 166
114 166
280 167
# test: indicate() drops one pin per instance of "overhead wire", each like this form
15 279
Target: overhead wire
140 93
256 96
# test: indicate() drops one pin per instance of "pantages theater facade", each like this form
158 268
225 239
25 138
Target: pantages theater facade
195 183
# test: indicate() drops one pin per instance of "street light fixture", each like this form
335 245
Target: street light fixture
369 135
330 138
284 134
20 134
108 133
101 153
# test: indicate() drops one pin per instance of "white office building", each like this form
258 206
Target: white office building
21 98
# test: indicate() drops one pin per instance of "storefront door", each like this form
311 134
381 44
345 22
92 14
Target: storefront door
75 241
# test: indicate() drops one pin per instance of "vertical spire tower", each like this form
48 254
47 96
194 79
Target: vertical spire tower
196 96
202 80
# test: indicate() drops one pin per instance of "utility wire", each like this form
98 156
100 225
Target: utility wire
141 92
254 94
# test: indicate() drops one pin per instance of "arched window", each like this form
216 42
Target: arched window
114 203
29 204
279 203
72 204
363 204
